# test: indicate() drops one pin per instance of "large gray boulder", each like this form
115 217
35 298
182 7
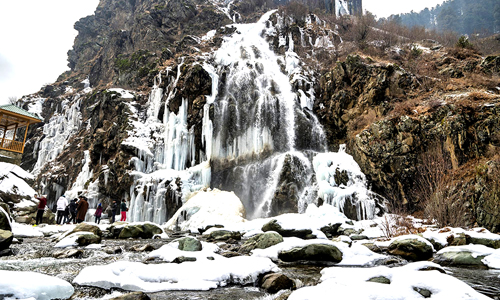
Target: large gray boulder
411 248
275 282
261 241
450 257
6 238
189 244
312 252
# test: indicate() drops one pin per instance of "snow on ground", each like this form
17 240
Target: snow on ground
199 275
31 285
405 282
26 231
440 235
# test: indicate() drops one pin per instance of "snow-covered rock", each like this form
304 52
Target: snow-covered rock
208 208
31 285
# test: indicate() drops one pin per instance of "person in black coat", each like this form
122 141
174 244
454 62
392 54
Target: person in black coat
72 210
114 210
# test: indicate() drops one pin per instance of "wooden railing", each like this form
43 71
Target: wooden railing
11 145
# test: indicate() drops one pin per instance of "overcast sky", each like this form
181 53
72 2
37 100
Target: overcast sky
35 36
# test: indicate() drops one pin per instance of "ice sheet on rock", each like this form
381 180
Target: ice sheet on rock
404 283
199 275
212 207
170 251
24 285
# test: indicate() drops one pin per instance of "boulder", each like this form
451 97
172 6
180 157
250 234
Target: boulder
142 248
189 244
132 296
459 259
488 242
261 241
380 279
276 282
6 252
87 239
24 219
312 252
113 250
140 230
88 228
68 253
411 248
274 226
331 230
6 238
4 220
224 235
181 259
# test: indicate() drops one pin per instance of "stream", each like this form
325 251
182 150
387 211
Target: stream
37 255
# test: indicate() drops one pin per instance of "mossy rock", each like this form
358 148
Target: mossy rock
189 244
261 241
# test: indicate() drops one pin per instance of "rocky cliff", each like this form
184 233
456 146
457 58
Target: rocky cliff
152 111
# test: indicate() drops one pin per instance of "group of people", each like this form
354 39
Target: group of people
77 208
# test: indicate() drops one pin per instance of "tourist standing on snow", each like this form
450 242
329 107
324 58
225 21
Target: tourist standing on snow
41 208
72 211
114 210
123 209
62 203
98 213
81 210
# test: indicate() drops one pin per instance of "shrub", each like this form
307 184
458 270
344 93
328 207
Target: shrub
463 42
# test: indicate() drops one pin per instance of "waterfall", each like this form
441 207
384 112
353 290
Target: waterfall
262 140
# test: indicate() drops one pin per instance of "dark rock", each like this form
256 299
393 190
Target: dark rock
313 252
274 226
68 253
143 230
261 241
230 254
222 235
87 239
358 237
189 244
6 238
422 291
202 230
4 221
331 230
276 282
181 259
380 279
6 252
373 247
411 249
142 248
112 250
132 296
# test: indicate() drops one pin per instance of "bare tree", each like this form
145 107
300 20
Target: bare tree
13 100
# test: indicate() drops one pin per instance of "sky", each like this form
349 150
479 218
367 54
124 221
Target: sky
36 35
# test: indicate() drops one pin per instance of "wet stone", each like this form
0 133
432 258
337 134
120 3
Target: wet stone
275 282
380 279
112 250
424 292
181 259
142 248
68 253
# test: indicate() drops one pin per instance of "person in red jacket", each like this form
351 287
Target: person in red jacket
41 208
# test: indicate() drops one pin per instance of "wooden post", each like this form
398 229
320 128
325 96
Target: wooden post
25 134
3 138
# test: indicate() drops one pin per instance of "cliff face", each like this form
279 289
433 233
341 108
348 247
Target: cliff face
164 99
